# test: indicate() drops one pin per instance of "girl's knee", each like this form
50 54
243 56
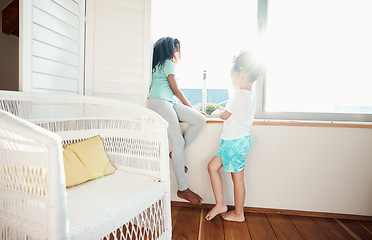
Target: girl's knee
202 121
200 124
199 121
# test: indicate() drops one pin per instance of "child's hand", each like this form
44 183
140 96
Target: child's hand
216 113
221 113
203 113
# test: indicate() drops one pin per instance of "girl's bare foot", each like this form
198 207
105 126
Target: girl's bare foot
190 196
233 216
217 209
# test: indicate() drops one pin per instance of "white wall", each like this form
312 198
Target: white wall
298 168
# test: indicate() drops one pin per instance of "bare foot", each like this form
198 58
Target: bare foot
190 196
217 209
233 216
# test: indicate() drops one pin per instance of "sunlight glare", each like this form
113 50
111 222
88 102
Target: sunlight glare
211 34
320 60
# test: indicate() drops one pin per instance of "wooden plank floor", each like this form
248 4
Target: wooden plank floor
190 224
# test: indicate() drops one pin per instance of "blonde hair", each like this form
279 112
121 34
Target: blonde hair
248 63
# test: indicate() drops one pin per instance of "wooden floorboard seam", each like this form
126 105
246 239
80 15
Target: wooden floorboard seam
296 228
249 232
178 213
223 229
279 223
348 229
271 226
321 229
200 225
370 232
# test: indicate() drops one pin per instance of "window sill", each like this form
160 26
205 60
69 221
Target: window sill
258 122
213 120
312 124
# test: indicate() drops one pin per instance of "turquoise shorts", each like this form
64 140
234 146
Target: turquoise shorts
234 153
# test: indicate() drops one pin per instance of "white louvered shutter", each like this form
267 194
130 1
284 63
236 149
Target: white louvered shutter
52 46
118 49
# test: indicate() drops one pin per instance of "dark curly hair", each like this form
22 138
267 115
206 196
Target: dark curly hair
164 49
247 62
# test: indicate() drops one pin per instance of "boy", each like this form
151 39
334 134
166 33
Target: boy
236 140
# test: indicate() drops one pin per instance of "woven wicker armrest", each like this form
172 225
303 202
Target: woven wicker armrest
32 188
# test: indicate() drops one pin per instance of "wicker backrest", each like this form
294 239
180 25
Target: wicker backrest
75 118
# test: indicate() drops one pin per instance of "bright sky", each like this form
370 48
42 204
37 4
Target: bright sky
319 56
211 34
322 55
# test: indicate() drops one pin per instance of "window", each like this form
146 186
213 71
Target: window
318 53
319 59
211 34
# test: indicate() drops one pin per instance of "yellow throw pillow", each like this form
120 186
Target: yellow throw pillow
85 160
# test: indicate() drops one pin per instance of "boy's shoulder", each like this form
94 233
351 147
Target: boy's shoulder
243 97
243 93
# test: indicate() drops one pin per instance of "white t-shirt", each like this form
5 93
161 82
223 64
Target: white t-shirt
242 108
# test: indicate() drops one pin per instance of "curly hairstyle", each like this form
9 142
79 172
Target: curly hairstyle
164 49
247 62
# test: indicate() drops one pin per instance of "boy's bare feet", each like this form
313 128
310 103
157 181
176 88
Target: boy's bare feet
233 216
190 196
217 209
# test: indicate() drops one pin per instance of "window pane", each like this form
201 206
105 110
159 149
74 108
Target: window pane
319 56
211 33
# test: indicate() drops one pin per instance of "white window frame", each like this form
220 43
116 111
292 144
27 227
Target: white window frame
262 7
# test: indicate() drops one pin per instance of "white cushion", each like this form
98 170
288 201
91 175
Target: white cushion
98 207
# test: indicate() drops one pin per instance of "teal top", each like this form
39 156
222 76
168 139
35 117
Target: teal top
160 86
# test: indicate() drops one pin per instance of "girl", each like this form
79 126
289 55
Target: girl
236 140
167 52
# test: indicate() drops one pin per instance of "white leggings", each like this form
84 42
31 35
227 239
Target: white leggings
173 113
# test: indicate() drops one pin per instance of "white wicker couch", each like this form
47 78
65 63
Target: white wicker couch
132 203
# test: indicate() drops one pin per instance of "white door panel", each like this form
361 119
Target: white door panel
118 49
52 46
